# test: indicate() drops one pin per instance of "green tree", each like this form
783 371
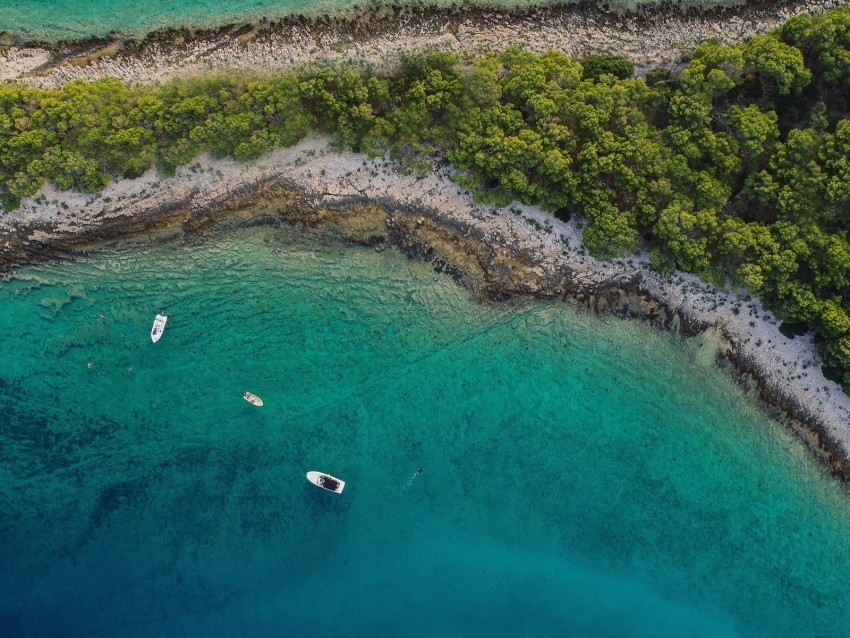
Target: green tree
777 64
825 40
595 66
755 130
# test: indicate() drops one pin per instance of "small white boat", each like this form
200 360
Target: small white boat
253 399
158 327
326 482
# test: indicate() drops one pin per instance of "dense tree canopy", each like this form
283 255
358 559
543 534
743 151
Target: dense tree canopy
736 167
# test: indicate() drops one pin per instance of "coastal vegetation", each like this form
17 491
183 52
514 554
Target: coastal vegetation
735 167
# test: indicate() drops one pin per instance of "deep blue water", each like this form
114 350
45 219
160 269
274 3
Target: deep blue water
583 476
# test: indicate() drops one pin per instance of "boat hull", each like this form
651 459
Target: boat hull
253 399
326 482
158 327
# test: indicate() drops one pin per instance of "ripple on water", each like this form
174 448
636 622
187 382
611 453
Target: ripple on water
582 475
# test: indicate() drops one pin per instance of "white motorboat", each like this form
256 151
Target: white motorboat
326 482
158 327
253 399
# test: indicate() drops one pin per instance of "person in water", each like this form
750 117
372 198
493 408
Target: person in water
421 469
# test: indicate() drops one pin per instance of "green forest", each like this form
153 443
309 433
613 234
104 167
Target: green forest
736 166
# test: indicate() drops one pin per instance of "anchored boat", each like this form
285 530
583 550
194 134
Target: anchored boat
326 482
158 327
253 399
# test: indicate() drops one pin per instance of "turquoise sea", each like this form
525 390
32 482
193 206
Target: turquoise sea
582 476
53 20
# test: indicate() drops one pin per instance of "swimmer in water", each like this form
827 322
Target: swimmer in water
421 469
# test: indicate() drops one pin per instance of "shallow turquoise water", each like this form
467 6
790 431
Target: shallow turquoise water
583 476
62 19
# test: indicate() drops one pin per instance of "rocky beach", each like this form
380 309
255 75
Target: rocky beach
378 36
495 252
517 250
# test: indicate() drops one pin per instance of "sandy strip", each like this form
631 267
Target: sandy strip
518 249
380 36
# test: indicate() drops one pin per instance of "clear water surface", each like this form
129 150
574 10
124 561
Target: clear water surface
582 476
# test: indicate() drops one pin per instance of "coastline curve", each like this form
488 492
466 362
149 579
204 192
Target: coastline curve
495 253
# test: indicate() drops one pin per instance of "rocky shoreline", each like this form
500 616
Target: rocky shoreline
496 253
378 36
